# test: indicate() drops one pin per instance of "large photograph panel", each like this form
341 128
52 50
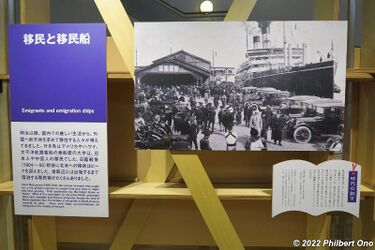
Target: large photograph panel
270 85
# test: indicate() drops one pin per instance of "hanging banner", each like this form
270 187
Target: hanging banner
59 119
302 186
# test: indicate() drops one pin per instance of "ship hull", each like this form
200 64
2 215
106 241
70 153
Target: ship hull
315 79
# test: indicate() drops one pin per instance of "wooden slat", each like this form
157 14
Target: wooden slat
36 11
365 133
6 202
208 203
357 58
3 38
367 20
121 29
240 10
6 223
336 10
5 159
326 9
132 224
115 63
161 165
6 206
318 228
43 233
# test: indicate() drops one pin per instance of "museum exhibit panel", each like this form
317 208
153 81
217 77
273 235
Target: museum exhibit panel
157 106
59 124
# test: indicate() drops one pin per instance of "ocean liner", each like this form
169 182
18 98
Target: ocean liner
285 68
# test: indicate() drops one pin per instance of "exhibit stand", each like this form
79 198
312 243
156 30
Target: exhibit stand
208 201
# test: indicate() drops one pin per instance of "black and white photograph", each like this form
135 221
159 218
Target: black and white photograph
242 86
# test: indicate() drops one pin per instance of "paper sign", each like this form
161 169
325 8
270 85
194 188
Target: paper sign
59 119
302 186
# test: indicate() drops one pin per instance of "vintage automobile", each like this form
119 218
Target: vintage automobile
325 119
264 96
294 106
272 97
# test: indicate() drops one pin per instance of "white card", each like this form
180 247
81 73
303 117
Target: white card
316 189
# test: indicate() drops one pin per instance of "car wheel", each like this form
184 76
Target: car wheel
302 134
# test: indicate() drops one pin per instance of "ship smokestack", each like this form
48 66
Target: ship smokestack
265 28
256 42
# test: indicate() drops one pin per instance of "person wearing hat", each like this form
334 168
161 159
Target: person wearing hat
238 116
247 112
205 117
204 143
199 114
277 125
266 122
211 116
220 117
193 132
268 117
216 101
256 119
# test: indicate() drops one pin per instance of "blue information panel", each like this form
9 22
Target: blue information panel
59 119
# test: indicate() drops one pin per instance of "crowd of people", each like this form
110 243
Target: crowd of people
176 117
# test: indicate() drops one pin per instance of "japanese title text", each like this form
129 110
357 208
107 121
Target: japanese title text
59 38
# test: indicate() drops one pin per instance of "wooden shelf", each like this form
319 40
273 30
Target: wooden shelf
4 77
367 191
118 75
360 74
140 190
6 188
